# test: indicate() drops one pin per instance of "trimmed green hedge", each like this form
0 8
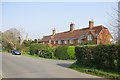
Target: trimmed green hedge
61 52
101 56
71 52
48 53
42 50
35 48
65 52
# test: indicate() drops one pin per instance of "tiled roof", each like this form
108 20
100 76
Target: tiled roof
46 38
79 33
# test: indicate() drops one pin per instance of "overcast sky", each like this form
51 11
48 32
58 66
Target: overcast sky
39 18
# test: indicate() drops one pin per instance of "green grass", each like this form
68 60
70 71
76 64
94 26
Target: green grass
90 70
36 56
33 56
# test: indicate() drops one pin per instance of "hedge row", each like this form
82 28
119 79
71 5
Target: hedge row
48 53
42 50
101 56
61 52
35 48
65 52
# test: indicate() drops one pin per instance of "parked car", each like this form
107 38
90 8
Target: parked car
16 52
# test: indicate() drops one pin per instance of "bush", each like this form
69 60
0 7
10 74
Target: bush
117 53
87 43
83 55
25 50
42 50
61 52
48 53
65 52
35 48
101 56
71 52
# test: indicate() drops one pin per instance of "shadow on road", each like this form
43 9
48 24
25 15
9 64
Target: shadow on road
67 65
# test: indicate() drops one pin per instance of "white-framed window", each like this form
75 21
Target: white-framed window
50 41
96 35
54 42
71 41
79 41
59 41
65 42
89 37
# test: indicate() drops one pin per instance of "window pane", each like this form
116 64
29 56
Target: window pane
89 37
59 41
71 41
50 41
54 42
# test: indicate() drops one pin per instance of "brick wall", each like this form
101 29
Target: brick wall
104 37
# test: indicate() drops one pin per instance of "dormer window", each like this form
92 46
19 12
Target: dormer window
89 37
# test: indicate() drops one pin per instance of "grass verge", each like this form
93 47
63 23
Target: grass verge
90 70
33 56
36 56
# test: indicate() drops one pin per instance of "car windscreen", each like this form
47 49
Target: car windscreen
17 51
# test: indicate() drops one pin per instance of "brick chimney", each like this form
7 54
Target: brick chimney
72 26
53 31
91 24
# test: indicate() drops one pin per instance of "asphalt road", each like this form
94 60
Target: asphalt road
17 66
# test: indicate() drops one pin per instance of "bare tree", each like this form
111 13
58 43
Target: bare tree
22 34
118 21
11 37
115 22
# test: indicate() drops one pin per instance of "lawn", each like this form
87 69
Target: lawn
94 71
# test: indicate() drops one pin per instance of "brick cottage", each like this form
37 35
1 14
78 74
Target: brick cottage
95 34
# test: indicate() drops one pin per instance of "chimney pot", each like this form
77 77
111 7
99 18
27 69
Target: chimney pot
72 26
91 24
53 31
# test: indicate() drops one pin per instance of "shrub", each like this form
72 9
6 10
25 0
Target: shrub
101 56
42 50
105 55
48 53
118 61
83 55
65 52
61 52
25 50
35 48
87 43
71 52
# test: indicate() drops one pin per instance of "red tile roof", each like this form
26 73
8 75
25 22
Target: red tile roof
74 34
